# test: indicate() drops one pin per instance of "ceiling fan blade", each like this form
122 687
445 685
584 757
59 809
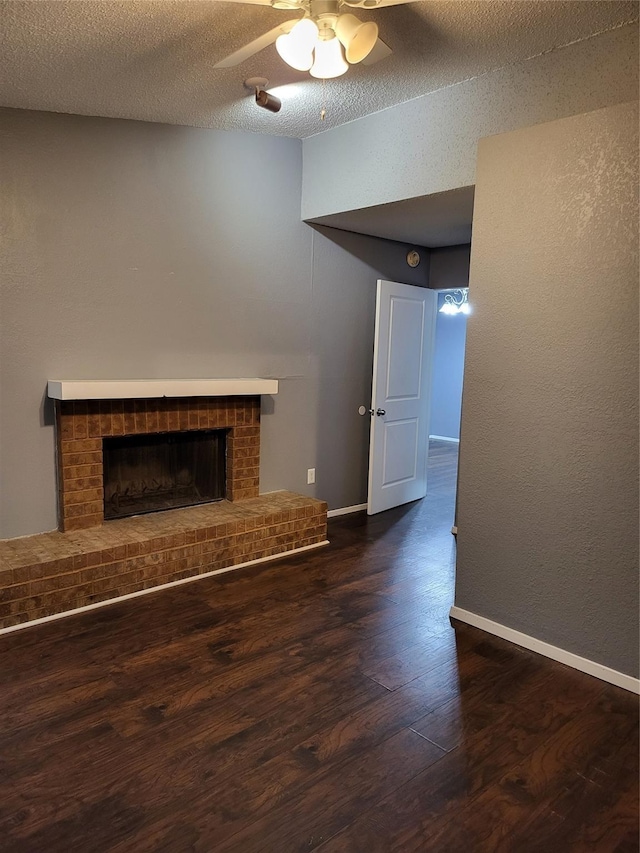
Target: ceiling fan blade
256 45
252 2
287 5
370 4
380 51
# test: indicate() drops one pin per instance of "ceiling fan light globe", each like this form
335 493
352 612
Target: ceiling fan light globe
292 54
328 60
358 38
305 33
362 43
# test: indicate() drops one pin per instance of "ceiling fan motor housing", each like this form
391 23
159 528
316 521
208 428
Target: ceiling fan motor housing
319 8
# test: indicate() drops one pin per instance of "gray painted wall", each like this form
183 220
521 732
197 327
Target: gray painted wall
449 267
345 269
133 250
548 487
141 250
428 145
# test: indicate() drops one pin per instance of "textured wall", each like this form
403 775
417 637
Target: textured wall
428 144
135 250
548 488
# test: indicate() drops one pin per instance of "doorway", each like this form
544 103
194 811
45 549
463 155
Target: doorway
448 365
442 403
446 390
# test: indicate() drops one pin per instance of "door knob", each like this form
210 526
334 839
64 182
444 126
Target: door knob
380 412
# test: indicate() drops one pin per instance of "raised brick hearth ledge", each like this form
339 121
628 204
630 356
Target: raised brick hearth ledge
52 573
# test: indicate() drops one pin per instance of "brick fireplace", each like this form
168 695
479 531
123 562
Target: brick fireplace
89 561
82 426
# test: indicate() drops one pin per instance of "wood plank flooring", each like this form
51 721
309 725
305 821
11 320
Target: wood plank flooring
318 703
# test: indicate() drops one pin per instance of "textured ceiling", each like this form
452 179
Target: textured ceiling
153 61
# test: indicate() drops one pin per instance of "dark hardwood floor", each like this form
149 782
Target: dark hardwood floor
318 703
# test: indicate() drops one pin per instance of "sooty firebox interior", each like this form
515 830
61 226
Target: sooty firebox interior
149 473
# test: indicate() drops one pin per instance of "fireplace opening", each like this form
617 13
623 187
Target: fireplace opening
150 473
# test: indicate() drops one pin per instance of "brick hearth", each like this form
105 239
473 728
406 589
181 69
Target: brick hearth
54 572
89 561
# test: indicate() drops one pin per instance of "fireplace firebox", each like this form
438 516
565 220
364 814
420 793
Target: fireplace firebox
155 472
83 427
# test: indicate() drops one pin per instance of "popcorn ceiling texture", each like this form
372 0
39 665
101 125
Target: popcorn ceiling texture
548 484
153 61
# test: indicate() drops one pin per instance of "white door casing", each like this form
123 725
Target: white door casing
402 360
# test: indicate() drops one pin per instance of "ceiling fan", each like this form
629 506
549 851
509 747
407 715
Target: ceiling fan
324 41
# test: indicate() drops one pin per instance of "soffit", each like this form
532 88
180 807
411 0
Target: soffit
441 219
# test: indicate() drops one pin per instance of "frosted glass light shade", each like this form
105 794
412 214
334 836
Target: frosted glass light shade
328 60
301 60
296 47
358 39
305 33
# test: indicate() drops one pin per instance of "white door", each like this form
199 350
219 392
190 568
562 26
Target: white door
402 357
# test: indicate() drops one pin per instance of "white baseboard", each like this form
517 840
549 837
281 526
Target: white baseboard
444 438
140 592
346 510
598 670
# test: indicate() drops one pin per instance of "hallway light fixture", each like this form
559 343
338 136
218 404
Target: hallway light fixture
456 302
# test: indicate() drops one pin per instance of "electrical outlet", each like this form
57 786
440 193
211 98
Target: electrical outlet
311 476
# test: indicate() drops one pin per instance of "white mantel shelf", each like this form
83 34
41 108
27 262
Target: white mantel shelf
128 389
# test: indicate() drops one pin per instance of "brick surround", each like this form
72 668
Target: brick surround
81 426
